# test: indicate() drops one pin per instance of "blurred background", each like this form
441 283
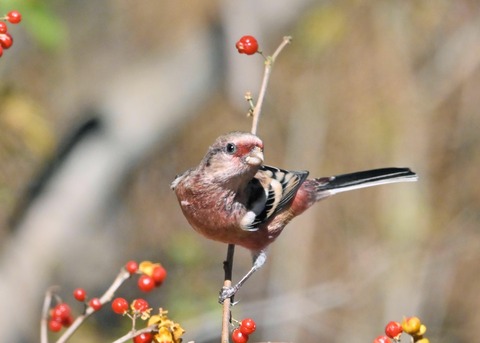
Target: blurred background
102 103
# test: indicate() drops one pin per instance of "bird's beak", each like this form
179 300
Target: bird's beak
255 157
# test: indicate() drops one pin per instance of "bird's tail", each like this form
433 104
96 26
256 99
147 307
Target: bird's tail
327 186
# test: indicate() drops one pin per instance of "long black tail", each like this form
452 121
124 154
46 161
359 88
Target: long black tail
341 183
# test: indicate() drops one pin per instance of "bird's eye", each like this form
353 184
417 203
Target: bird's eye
230 148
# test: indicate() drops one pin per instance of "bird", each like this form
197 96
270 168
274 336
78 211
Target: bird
232 197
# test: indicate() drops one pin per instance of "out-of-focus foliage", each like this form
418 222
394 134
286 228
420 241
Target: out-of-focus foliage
27 139
320 30
40 20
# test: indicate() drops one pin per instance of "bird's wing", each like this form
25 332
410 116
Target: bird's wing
279 186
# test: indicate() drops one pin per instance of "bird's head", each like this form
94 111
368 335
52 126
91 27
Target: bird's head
236 154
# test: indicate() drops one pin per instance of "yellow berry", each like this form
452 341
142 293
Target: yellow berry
422 330
411 325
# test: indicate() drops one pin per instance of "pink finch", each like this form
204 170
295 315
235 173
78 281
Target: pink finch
233 198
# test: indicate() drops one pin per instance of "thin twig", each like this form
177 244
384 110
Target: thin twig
105 298
133 333
45 309
266 76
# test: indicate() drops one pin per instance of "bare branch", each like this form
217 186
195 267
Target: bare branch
266 76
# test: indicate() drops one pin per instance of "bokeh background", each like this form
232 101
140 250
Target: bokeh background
102 103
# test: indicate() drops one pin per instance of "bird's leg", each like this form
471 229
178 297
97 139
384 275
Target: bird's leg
259 258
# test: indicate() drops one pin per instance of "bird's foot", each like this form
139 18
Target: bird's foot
227 292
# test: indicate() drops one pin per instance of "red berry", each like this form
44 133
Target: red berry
248 326
6 40
80 294
67 321
3 27
140 305
14 17
159 274
239 337
381 339
131 267
393 329
61 312
54 325
145 337
95 303
119 305
146 283
1 51
247 45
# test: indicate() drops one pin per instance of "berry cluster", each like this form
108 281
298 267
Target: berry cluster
247 45
139 308
166 330
411 326
244 330
152 274
60 316
6 40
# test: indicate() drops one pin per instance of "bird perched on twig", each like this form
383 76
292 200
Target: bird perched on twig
232 197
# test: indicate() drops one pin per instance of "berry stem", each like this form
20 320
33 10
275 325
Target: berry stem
266 76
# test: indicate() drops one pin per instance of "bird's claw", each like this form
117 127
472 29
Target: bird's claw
225 293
